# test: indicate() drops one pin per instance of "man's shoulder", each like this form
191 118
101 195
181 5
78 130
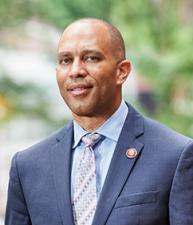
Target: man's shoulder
163 133
42 147
165 142
158 133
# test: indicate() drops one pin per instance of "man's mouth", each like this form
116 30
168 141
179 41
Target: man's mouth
80 89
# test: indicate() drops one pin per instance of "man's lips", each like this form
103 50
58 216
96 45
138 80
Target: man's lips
79 89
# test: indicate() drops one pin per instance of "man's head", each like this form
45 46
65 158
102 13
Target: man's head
91 68
116 40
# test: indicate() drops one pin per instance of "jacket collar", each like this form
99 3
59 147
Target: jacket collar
121 166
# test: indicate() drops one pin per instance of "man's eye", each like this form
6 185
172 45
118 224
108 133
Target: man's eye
65 61
92 59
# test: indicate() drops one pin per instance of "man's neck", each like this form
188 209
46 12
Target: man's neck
91 123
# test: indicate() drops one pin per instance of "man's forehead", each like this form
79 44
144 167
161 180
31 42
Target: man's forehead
84 34
84 29
82 47
87 23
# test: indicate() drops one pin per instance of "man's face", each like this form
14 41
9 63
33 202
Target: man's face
87 71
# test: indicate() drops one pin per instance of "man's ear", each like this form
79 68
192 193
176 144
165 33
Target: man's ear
124 68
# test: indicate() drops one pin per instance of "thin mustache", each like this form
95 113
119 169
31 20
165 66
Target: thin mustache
79 85
78 81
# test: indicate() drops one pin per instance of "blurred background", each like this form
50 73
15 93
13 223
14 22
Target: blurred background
159 42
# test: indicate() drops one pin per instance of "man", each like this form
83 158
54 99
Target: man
110 165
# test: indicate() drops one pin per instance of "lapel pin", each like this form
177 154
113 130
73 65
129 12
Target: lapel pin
131 153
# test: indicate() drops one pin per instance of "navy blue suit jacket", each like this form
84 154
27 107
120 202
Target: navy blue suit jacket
154 188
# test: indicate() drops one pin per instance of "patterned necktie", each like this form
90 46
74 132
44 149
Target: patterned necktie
84 200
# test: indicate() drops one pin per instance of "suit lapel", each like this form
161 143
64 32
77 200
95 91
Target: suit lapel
121 166
61 158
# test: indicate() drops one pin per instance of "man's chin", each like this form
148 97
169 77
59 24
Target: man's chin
80 109
82 113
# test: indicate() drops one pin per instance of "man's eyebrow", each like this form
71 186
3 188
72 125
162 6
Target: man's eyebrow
63 54
92 51
84 52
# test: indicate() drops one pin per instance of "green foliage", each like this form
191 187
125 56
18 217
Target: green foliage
58 12
23 99
160 45
13 12
62 12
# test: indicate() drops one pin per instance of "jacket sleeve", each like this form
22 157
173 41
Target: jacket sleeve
16 211
181 196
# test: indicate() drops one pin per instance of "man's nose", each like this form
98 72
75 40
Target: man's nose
77 69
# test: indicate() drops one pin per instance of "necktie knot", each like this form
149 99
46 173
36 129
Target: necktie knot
91 139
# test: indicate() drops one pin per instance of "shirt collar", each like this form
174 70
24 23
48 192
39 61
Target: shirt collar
108 128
